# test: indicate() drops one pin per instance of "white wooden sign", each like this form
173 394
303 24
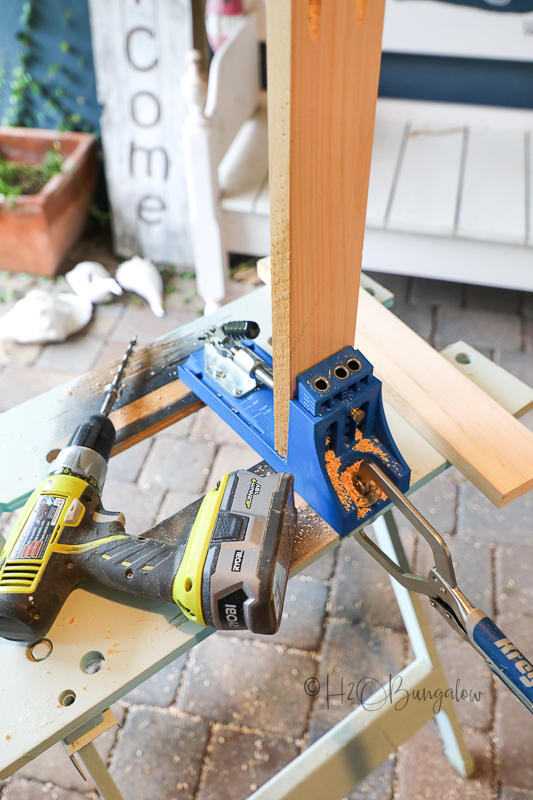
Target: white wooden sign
484 29
139 51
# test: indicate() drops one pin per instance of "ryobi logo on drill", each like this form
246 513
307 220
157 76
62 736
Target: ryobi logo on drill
237 561
255 488
522 664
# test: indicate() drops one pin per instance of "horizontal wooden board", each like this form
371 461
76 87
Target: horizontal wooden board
489 446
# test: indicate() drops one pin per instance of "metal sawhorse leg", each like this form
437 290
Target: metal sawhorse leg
350 751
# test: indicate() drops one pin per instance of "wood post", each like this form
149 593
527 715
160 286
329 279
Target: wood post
323 69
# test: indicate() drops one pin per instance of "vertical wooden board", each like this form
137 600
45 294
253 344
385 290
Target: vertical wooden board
386 151
278 16
139 52
493 202
323 76
425 197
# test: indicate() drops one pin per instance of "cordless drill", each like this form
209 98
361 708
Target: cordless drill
227 567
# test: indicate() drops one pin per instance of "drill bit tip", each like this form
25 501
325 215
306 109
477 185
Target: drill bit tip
113 390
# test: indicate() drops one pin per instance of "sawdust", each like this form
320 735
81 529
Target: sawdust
343 482
368 446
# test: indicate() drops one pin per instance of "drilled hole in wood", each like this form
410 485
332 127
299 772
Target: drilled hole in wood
360 11
354 365
463 358
321 384
341 372
52 455
313 16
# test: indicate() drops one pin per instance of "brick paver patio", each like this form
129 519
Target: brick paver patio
220 721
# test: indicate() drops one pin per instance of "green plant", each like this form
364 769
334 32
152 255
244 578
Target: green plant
24 87
17 179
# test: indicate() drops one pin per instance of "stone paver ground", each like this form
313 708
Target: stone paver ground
218 722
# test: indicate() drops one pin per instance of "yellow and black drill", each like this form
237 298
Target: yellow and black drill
226 566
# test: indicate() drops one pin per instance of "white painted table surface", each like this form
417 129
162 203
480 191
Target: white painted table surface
137 637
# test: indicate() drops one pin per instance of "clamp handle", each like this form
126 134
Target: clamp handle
502 656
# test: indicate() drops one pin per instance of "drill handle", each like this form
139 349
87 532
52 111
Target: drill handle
137 565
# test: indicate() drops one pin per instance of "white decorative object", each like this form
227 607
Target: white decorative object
450 194
45 317
91 280
139 53
140 276
221 18
233 97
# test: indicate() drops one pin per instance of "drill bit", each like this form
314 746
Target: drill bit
113 389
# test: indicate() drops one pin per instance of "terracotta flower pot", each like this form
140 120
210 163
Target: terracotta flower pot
36 231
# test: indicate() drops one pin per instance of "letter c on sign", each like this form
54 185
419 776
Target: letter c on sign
135 63
145 109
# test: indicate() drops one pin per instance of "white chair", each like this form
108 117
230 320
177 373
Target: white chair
450 184
226 157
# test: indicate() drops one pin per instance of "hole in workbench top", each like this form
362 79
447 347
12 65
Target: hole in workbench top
92 662
463 358
67 697
40 650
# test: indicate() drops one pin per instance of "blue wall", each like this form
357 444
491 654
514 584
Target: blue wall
457 80
60 62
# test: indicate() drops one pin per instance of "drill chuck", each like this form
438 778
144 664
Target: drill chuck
96 433
83 462
88 451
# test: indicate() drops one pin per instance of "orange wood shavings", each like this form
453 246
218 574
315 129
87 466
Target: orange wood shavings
369 446
343 482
